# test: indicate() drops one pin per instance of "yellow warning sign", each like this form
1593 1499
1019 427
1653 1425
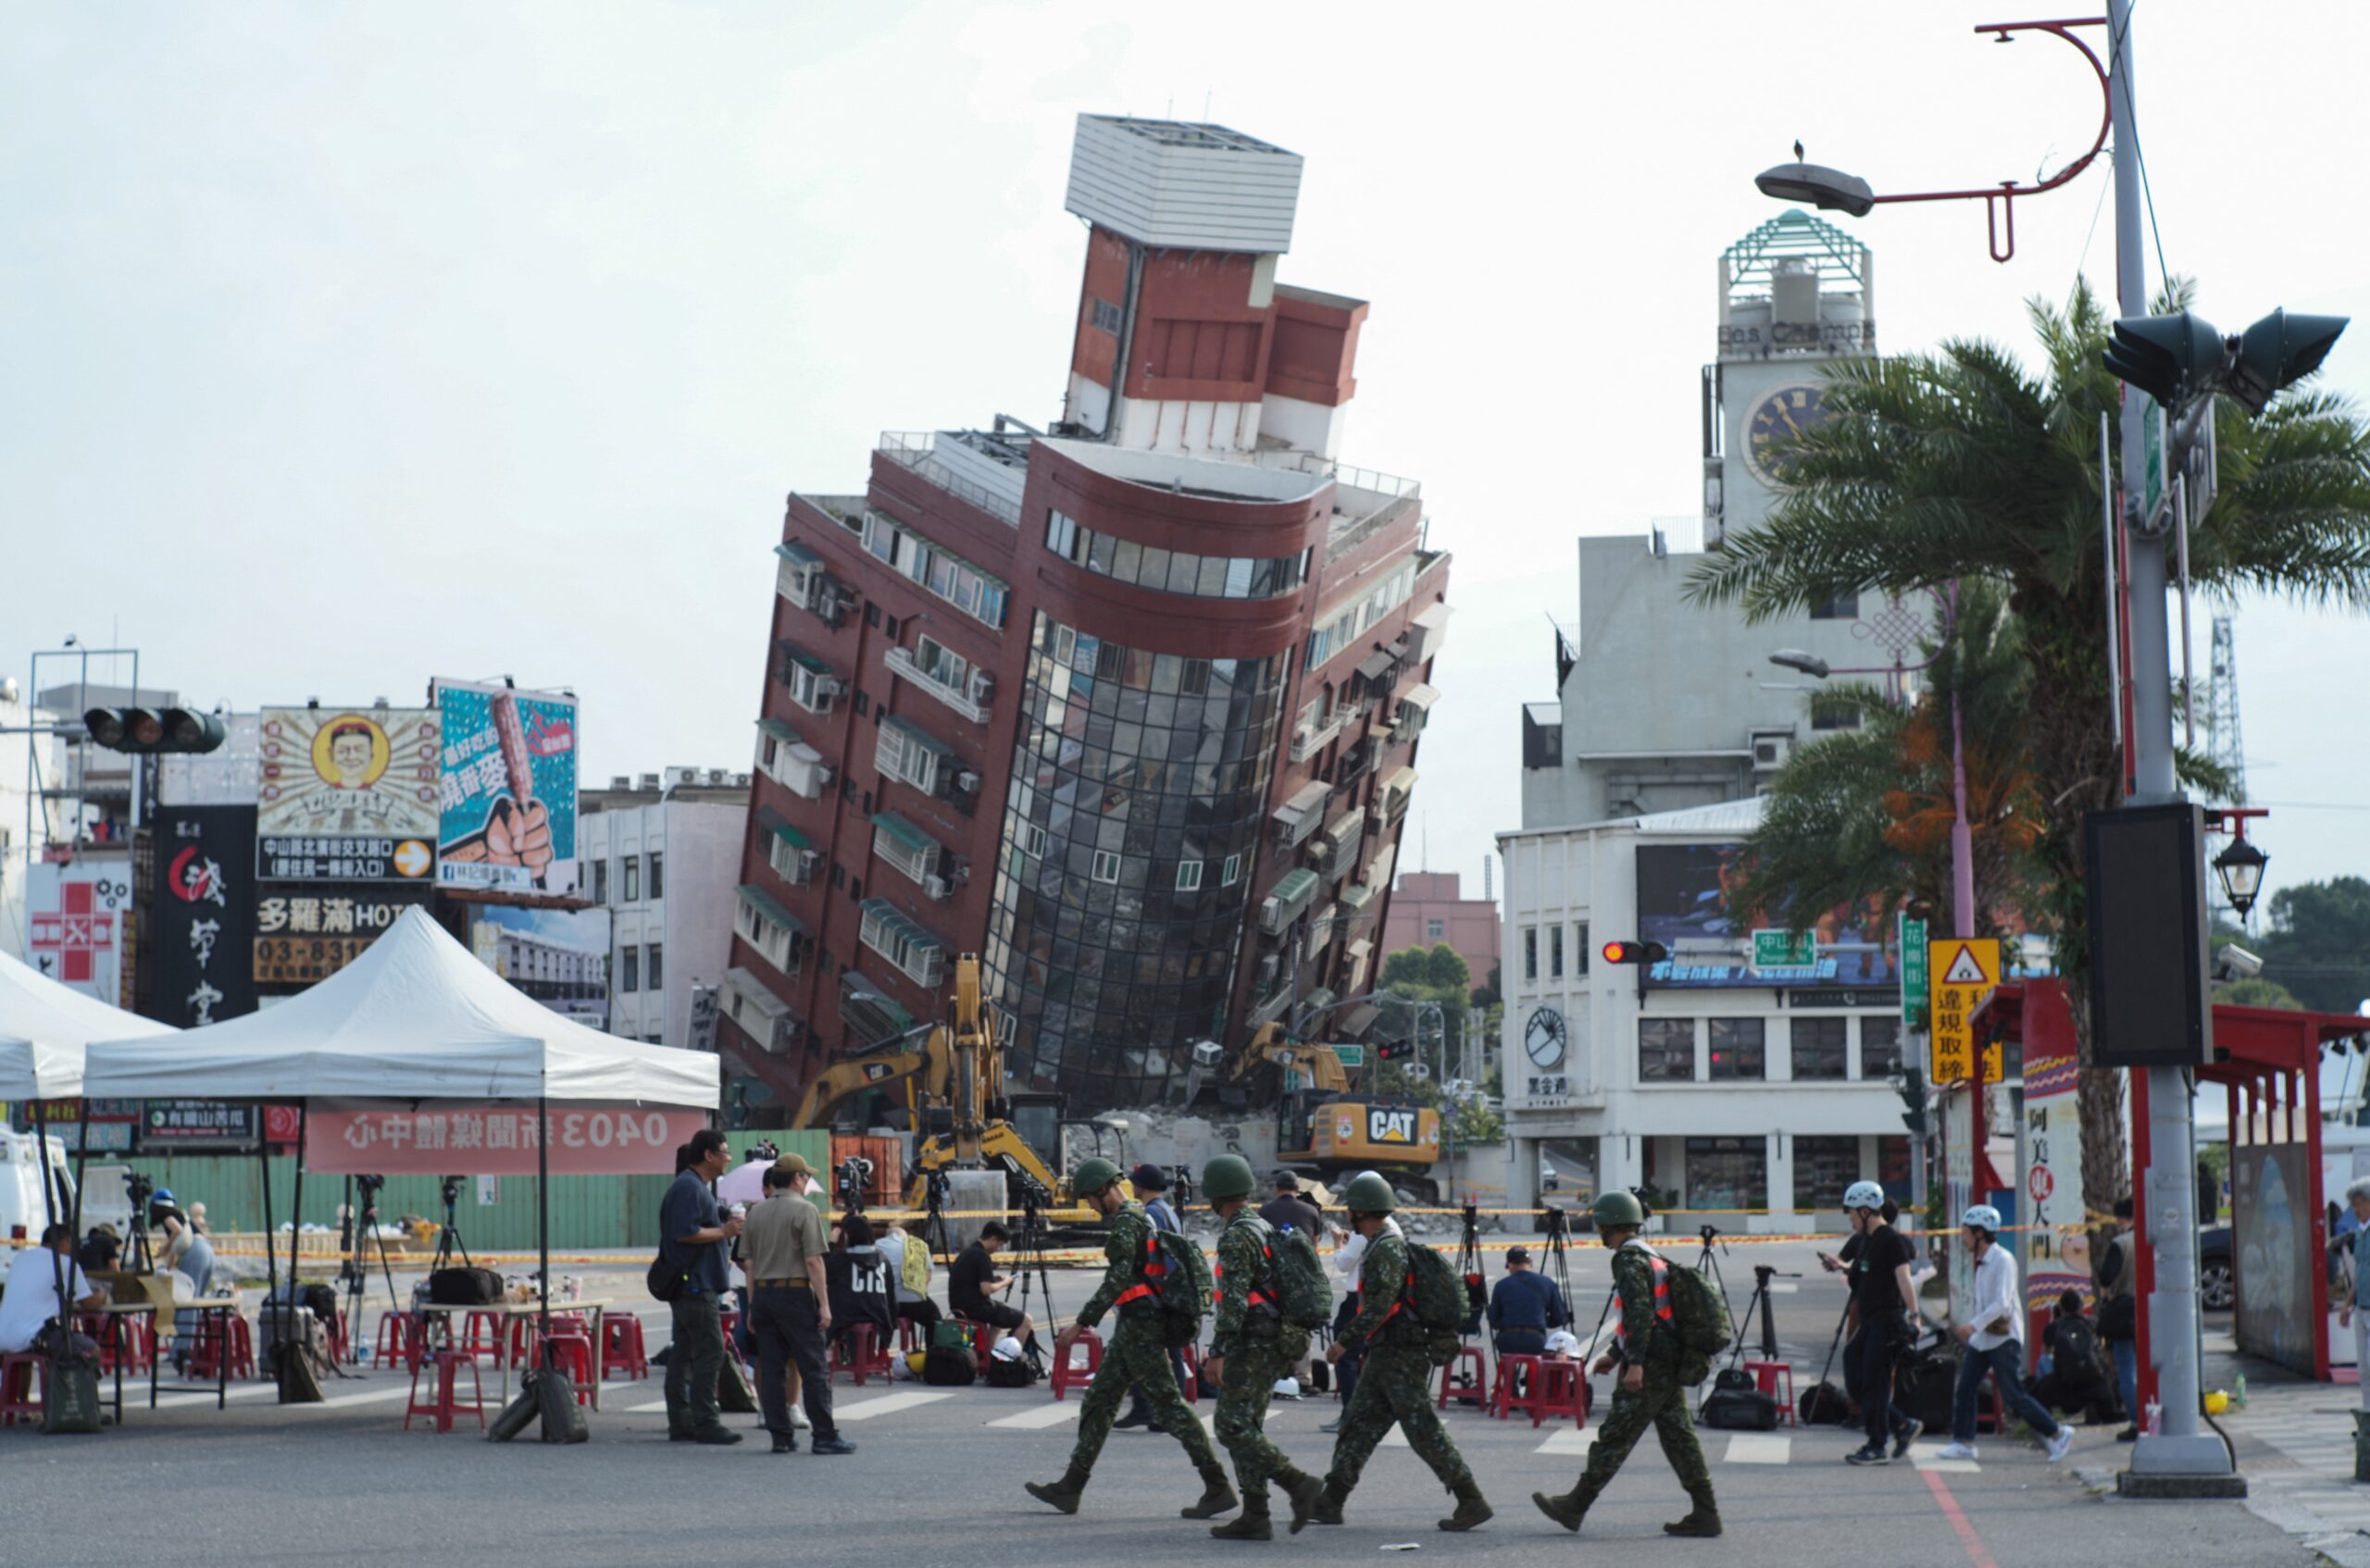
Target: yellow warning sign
1963 973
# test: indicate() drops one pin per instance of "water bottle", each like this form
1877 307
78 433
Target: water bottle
2155 1427
2238 1393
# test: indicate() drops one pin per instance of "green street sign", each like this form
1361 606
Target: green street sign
1913 973
1350 1055
2153 481
1783 950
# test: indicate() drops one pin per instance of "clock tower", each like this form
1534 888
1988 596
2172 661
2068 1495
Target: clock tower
1795 294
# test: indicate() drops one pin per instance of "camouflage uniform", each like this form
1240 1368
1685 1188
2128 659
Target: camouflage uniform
1258 1349
1138 1354
1647 1342
1396 1384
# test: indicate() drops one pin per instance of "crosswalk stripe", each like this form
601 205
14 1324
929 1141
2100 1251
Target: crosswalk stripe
646 1409
887 1404
1051 1415
1395 1439
367 1397
176 1402
1929 1456
1569 1439
1759 1447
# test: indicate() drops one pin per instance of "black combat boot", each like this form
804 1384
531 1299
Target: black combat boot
1471 1507
1703 1519
1325 1509
1063 1494
1303 1489
1217 1496
1252 1525
1567 1509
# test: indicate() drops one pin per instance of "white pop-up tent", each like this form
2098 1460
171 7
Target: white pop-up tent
414 1018
46 1027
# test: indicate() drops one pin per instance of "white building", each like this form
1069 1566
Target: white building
29 765
1758 1094
664 856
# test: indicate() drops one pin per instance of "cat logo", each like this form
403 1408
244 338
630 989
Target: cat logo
1390 1127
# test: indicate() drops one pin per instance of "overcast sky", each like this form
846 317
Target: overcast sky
345 346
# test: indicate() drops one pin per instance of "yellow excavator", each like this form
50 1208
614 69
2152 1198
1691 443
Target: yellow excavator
1324 1130
954 1072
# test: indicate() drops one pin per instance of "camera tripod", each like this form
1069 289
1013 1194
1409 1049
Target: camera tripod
1762 1275
1707 1263
1029 1265
1477 1299
360 1225
934 1235
448 1239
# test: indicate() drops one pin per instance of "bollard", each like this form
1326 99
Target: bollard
2361 1445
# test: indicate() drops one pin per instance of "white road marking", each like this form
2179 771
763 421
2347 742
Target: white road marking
1569 1439
1052 1414
1395 1439
646 1409
372 1397
887 1404
175 1401
1759 1447
1929 1456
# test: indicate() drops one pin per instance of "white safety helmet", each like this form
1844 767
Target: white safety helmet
1863 1195
1285 1388
1982 1216
1008 1349
1561 1343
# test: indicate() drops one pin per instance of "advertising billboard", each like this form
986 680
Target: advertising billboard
558 956
202 915
2272 1214
508 801
1683 903
347 794
77 924
306 932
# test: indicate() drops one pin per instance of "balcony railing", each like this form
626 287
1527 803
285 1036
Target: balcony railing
915 450
902 663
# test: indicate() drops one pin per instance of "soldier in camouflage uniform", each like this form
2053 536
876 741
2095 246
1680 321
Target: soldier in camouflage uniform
1138 1355
1253 1349
1651 1390
1396 1384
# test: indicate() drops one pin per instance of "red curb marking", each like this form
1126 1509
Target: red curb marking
1958 1521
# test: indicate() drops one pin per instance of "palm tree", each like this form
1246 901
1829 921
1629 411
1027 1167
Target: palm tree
1961 464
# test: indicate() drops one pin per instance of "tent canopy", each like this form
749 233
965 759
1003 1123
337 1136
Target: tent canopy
414 1018
47 1027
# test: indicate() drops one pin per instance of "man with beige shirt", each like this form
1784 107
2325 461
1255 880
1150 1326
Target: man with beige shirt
790 1307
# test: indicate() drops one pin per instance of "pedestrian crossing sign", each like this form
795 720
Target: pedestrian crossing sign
1962 972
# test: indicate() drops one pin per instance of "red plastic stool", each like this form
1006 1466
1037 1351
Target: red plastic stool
444 1368
17 1372
399 1341
483 1335
1767 1376
622 1347
1561 1392
1065 1368
1516 1393
570 1354
859 1351
1990 1415
1465 1378
909 1337
243 1346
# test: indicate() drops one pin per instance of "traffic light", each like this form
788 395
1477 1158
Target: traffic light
1393 1050
1912 1094
2171 358
2277 351
1635 952
145 730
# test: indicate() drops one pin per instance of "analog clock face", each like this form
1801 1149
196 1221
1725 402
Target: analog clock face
1543 1036
1773 426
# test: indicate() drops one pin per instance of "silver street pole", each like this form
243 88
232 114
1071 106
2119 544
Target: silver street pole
2168 1192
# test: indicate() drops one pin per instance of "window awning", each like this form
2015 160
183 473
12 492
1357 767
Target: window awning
1399 781
745 984
905 832
918 736
915 935
1432 618
790 835
1363 948
1377 667
1421 697
780 730
1295 889
764 904
1306 801
798 555
1345 827
800 655
1356 897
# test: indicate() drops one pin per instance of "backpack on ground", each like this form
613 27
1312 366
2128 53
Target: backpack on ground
1180 1288
1737 1404
733 1394
1001 1373
1699 1315
562 1418
948 1335
464 1288
70 1393
1296 1281
1824 1404
946 1366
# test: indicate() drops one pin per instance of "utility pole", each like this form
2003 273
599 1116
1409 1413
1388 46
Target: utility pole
2167 1188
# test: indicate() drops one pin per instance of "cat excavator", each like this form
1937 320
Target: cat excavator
963 1118
1322 1127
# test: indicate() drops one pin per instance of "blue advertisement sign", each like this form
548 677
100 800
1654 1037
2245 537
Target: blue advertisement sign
507 801
1683 903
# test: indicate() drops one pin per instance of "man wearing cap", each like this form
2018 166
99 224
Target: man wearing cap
1291 1207
790 1307
1653 1381
1138 1353
1994 1338
1152 1184
1525 1306
1253 1349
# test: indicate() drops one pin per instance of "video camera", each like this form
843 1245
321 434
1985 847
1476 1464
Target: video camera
139 1187
451 1189
855 1179
765 1150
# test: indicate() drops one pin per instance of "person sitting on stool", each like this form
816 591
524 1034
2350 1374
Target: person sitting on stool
1524 1306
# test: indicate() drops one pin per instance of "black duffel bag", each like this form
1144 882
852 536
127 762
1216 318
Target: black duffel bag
1824 1405
464 1288
1737 1404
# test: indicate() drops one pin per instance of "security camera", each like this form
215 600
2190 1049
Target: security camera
2232 962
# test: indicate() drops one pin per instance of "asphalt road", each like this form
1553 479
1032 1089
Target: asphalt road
938 1472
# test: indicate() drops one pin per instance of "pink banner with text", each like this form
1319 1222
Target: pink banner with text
440 1138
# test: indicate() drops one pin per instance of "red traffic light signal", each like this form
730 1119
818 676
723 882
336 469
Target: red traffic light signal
1635 952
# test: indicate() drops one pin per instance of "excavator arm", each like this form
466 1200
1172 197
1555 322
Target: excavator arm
1271 1047
931 1063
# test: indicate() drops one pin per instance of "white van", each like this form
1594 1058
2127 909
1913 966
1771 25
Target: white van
22 1214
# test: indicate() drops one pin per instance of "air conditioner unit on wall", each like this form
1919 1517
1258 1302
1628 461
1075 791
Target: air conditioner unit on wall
938 888
1770 750
983 686
967 781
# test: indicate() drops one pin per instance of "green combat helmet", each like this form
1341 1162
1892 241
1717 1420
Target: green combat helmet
1093 1176
1369 1194
1617 1208
1227 1177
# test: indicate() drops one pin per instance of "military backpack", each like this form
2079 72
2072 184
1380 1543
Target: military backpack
1296 1281
1434 1296
1699 1316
